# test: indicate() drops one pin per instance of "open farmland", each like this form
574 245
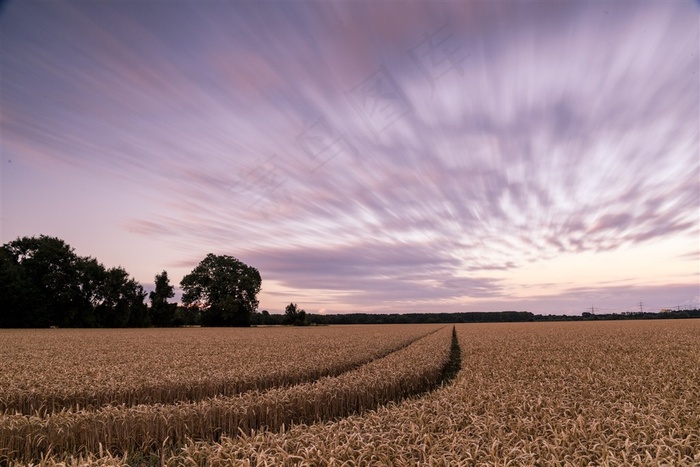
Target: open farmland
42 371
603 393
146 427
594 393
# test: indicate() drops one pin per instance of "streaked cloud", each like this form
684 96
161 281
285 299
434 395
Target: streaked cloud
334 148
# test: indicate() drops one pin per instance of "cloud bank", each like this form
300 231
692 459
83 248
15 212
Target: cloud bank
413 157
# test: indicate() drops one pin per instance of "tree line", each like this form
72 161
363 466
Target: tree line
297 317
312 319
44 283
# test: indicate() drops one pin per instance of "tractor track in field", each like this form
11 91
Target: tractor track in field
37 403
421 366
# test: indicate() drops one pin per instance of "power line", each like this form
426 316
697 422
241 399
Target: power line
640 307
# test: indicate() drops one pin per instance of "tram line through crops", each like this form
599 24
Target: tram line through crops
592 393
175 377
420 366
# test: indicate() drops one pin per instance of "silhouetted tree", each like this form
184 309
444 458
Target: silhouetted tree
223 289
18 299
162 312
123 301
261 318
294 316
44 283
50 275
185 316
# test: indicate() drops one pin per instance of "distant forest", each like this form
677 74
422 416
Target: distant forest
44 283
467 317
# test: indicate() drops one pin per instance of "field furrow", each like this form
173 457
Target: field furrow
418 367
579 394
46 371
608 393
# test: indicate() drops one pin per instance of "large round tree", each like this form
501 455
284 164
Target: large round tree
223 289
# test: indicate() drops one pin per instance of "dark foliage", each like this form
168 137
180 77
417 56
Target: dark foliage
223 289
162 312
294 316
44 283
410 318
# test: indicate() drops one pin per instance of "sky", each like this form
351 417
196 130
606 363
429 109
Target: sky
366 156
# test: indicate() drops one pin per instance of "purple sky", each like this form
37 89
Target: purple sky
376 157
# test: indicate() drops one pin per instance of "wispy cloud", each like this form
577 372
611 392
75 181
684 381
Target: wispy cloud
384 155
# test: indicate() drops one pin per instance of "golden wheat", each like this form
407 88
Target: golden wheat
610 393
44 371
148 428
596 393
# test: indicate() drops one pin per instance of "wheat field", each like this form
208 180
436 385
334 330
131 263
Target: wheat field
48 370
585 393
604 393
